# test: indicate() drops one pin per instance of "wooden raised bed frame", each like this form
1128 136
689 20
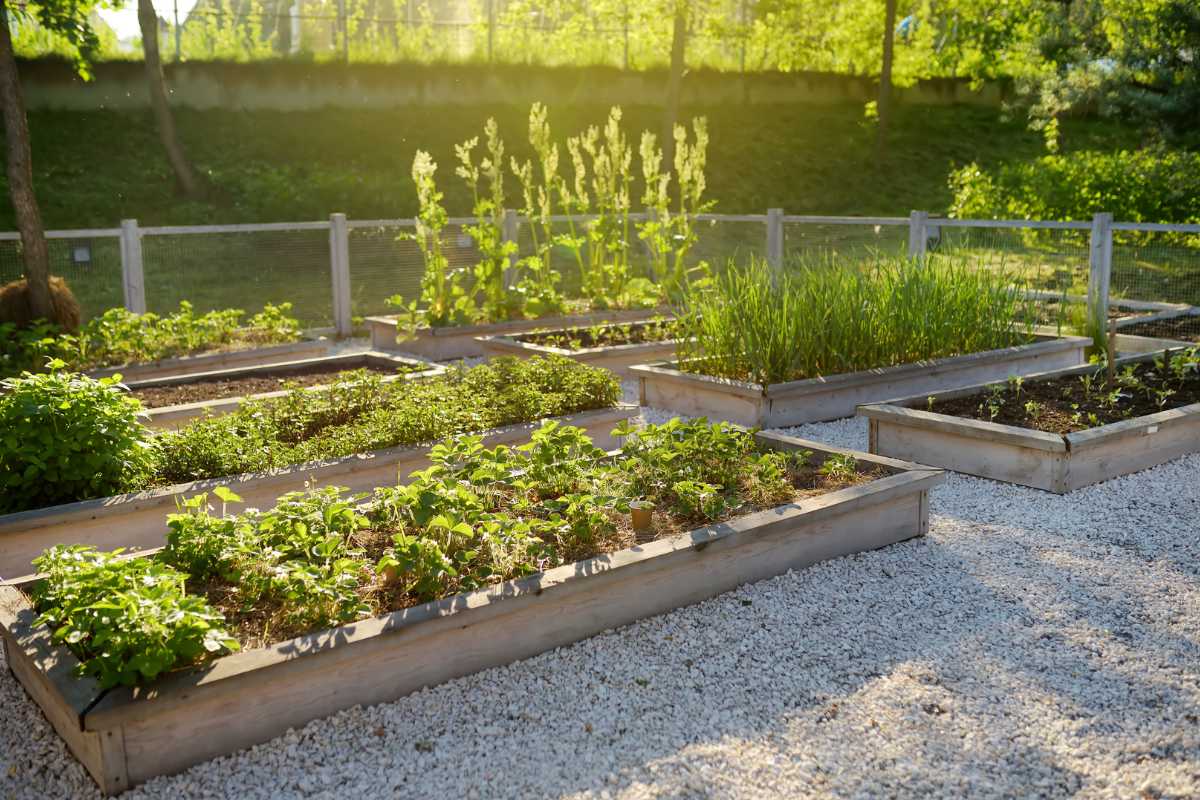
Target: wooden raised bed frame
461 341
169 417
837 396
186 365
617 358
136 520
126 736
1050 461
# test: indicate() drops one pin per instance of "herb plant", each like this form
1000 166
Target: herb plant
66 437
364 415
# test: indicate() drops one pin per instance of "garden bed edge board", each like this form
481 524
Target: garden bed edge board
838 396
184 365
459 341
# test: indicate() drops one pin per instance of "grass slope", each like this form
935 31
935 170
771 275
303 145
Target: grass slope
95 168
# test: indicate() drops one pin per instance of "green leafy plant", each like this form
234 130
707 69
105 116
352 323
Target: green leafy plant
128 620
66 437
445 299
119 337
363 415
539 285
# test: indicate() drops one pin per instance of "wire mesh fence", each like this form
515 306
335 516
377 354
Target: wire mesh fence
90 264
239 269
385 261
246 266
1052 260
806 240
1156 265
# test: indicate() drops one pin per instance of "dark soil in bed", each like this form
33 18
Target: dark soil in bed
603 335
1069 404
1183 328
177 394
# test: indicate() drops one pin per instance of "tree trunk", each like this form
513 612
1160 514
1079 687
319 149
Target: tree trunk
184 177
674 80
19 165
884 106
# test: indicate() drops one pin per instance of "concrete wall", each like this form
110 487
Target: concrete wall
295 86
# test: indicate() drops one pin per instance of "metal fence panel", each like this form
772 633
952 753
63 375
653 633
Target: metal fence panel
384 263
91 266
243 269
1160 266
807 240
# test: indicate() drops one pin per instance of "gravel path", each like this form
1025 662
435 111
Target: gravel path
1030 646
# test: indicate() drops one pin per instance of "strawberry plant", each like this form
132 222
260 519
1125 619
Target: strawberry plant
127 619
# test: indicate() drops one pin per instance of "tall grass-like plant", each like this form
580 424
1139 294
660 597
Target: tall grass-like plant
837 315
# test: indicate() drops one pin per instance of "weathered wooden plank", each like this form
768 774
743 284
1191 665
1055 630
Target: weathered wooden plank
837 396
998 459
137 520
459 341
1026 438
1132 445
202 363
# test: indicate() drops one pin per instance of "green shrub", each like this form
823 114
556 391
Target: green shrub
841 315
128 620
1154 185
66 437
356 417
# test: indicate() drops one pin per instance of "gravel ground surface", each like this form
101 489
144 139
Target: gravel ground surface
1031 646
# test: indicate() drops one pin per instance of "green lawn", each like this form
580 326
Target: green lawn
94 168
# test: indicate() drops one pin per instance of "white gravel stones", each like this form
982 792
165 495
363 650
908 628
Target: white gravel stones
1033 645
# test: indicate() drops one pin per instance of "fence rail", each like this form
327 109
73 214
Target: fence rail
340 268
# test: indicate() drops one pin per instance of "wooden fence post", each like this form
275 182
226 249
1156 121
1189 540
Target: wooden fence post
1099 277
132 277
510 231
918 225
339 268
775 237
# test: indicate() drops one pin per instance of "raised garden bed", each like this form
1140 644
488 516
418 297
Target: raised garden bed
664 385
462 341
135 520
126 735
1056 431
615 347
173 401
366 427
